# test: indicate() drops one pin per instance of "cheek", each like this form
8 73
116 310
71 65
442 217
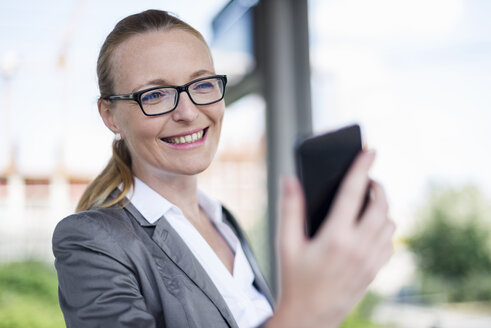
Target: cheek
138 129
141 141
220 120
217 115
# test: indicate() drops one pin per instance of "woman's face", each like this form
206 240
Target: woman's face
164 58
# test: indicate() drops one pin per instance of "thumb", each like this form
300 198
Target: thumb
291 218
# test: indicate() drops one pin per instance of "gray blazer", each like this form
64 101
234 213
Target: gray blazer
117 270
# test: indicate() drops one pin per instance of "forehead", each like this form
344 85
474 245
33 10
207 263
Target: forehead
172 56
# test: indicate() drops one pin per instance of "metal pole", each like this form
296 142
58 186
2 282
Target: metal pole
282 54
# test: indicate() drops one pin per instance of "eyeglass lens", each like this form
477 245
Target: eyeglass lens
162 100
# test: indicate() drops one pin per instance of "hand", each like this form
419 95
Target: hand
322 279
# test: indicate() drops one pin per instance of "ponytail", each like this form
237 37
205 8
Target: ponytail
117 172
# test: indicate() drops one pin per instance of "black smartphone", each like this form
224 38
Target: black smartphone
321 162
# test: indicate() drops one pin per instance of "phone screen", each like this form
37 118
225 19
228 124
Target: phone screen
322 161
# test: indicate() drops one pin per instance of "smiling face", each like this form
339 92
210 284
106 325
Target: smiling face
156 145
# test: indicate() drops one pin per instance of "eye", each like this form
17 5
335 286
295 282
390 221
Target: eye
204 86
155 96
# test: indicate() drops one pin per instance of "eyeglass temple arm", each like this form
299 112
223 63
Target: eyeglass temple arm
122 97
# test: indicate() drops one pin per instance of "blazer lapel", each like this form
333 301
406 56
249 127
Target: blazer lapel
176 249
259 279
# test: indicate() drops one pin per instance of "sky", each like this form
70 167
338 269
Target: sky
416 75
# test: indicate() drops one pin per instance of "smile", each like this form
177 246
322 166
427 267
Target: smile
185 139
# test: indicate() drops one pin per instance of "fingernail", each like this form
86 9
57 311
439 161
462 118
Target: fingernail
287 185
371 154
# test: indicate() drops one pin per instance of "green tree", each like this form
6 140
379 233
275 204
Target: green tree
451 241
28 296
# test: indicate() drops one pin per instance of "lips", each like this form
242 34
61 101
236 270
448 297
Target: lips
186 138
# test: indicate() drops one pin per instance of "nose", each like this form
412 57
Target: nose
186 110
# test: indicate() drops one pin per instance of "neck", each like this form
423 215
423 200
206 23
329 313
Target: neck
180 190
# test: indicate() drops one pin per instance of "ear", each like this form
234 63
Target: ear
107 114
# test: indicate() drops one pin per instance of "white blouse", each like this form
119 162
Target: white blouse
249 307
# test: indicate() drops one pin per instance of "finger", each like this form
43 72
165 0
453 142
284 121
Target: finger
375 215
382 248
350 195
291 218
388 247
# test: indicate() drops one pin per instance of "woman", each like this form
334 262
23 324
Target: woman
147 249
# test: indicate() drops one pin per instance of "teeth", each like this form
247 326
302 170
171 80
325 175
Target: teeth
186 139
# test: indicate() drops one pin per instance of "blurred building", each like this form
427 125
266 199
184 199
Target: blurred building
31 205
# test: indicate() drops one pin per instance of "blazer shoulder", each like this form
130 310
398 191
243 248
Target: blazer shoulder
99 230
106 219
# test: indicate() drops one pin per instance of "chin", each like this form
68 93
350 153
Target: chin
193 169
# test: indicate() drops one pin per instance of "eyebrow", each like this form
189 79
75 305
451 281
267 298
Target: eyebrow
193 76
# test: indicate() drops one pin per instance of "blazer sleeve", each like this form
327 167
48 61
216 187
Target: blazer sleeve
97 288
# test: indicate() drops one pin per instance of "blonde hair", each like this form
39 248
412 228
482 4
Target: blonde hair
118 170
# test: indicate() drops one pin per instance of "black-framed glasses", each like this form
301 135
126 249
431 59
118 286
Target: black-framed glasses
164 99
